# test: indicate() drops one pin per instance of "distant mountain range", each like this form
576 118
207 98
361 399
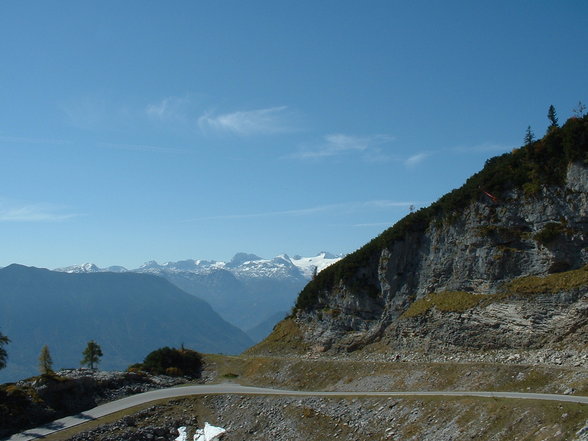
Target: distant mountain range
128 314
248 291
242 264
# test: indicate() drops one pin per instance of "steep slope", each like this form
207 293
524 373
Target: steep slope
525 213
128 314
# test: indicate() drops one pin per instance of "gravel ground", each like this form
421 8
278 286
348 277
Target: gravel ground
309 419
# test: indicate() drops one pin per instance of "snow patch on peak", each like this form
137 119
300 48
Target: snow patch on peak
327 255
307 265
150 264
83 268
90 268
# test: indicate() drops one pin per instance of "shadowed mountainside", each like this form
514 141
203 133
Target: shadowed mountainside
128 314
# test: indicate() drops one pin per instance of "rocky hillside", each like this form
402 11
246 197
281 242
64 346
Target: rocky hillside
457 274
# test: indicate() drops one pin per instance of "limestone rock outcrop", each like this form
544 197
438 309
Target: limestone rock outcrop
533 227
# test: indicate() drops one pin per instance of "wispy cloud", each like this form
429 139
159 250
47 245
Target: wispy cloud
414 160
140 147
90 112
170 108
27 140
249 122
346 207
341 144
33 213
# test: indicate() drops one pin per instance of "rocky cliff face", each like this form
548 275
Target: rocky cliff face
475 250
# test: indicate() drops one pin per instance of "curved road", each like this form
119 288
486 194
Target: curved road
230 388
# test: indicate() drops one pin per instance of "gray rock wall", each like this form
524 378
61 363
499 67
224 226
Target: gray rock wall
477 251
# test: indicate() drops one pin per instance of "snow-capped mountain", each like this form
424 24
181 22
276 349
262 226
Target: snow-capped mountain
242 265
91 268
246 291
189 265
307 265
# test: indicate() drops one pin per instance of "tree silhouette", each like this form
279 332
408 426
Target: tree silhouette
45 361
552 116
91 354
3 355
529 136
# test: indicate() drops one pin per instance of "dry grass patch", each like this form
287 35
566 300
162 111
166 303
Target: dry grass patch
286 337
460 301
552 283
446 301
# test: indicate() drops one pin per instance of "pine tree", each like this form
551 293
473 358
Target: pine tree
91 354
45 361
552 116
529 136
3 355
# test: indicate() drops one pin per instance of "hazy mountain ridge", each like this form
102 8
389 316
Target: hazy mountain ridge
525 214
246 291
242 264
128 314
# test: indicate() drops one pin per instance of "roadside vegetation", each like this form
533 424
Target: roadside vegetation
172 362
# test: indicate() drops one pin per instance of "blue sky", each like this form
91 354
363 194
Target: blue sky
149 130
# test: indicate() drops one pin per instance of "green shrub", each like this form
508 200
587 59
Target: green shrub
174 362
549 233
135 368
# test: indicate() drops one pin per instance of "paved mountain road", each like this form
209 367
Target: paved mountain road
230 388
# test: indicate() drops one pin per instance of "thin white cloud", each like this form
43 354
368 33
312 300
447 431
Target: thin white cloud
341 144
89 112
170 108
347 207
139 147
33 213
416 159
250 122
27 140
